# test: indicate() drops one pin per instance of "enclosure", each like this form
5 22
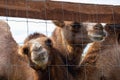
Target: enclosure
28 16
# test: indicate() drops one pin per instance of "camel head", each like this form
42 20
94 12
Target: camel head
37 51
96 31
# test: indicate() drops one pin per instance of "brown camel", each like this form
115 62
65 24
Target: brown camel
44 58
103 58
71 37
12 65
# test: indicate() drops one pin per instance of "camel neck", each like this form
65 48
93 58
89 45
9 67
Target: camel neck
42 74
110 39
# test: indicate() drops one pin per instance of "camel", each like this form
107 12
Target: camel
44 58
71 37
12 65
103 58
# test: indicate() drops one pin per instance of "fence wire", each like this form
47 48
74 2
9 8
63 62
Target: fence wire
22 27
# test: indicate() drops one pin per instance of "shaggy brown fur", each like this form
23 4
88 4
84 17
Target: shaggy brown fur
70 38
103 58
12 66
54 69
33 36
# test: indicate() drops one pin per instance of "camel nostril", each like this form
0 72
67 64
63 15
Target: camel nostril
40 48
104 34
37 49
98 27
42 56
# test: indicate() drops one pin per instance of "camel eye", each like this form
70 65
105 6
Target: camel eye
76 25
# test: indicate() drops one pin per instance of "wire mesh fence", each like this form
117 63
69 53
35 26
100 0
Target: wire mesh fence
100 62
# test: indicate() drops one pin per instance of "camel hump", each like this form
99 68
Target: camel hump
4 26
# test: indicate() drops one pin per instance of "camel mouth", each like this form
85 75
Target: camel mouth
39 56
97 37
41 59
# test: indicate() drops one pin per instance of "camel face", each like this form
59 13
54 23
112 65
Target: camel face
73 32
39 54
96 31
37 51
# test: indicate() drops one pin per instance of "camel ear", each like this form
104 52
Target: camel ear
109 28
48 42
59 23
23 50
